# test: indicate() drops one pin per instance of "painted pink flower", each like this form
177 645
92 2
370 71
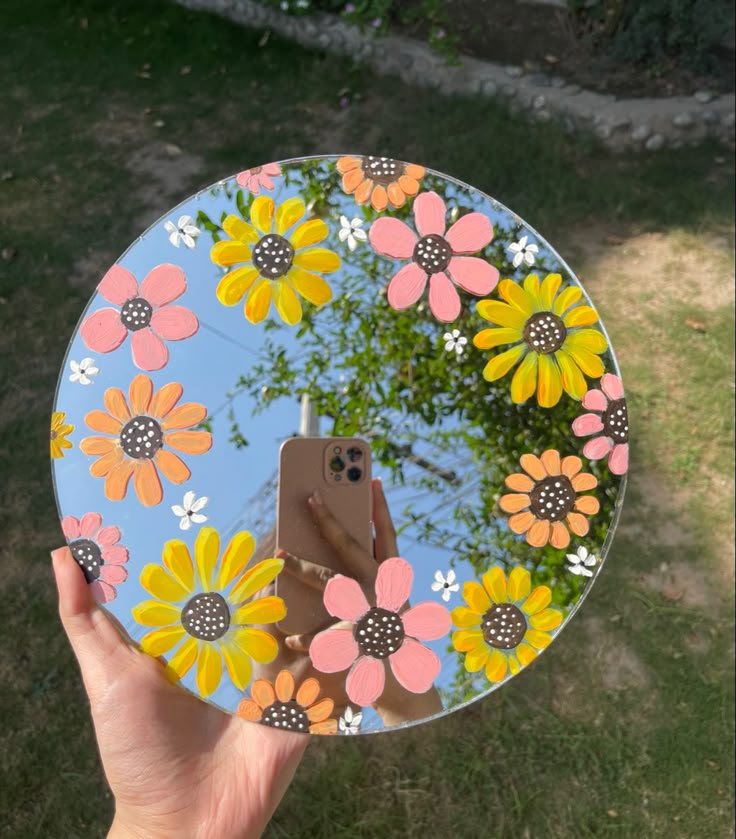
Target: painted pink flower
143 312
610 423
436 256
259 177
98 554
384 631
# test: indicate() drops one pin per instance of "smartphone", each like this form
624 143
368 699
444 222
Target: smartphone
340 468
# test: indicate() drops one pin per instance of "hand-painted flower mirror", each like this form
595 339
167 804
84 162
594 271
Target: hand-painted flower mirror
257 360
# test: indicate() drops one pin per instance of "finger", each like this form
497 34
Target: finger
309 573
301 643
358 560
385 541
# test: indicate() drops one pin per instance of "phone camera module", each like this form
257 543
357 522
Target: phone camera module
355 455
354 474
337 464
337 450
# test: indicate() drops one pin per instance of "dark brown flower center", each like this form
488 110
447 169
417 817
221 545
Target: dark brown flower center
552 498
382 170
379 633
136 314
503 626
616 421
289 715
544 332
141 438
432 253
88 556
273 256
206 616
53 434
256 170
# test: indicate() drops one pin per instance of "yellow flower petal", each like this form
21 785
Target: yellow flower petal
501 313
288 214
310 286
525 654
160 641
206 551
236 228
580 316
546 619
261 213
524 382
487 339
264 610
317 259
182 661
496 666
514 294
514 666
539 599
465 618
256 578
235 558
531 287
549 382
500 364
520 583
540 640
587 339
176 558
573 380
567 298
232 287
227 253
258 301
587 361
312 232
548 290
465 640
209 669
239 666
494 581
476 659
476 597
286 302
258 644
159 583
153 613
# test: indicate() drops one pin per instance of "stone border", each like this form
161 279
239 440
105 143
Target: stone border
620 124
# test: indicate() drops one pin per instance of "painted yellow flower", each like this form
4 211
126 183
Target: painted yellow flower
504 623
272 265
59 432
204 615
547 330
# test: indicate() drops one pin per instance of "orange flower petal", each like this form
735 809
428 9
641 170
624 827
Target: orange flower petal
414 171
519 482
560 537
345 164
320 711
97 445
571 465
262 691
551 461
538 534
116 482
587 504
308 692
164 399
409 185
248 710
147 483
351 180
513 503
584 481
284 685
396 195
533 465
189 442
521 522
578 524
102 466
185 416
139 394
115 403
363 192
379 198
172 466
326 727
100 421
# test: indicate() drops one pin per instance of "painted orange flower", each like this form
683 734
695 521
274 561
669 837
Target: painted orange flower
545 502
144 429
275 705
382 181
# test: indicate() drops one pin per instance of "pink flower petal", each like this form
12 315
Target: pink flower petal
444 301
429 214
587 424
594 400
415 667
113 574
118 286
108 536
406 287
266 182
391 237
253 185
163 284
243 178
597 448
365 681
89 525
115 555
174 323
470 233
618 460
612 386
473 274
426 621
102 592
70 527
344 599
149 351
333 650
393 583
103 331
272 169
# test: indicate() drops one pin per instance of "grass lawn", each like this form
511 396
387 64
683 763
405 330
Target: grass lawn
112 112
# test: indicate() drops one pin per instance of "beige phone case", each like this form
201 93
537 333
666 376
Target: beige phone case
305 465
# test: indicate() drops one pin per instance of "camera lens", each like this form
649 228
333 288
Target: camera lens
354 474
337 450
337 464
354 454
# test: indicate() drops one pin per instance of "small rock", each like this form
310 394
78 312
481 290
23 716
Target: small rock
704 96
7 176
185 70
514 72
640 133
159 123
539 102
729 120
551 59
558 83
172 150
655 142
709 117
8 253
612 813
603 131
695 324
620 122
490 88
683 120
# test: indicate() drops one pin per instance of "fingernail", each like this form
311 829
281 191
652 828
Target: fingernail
292 641
316 499
57 554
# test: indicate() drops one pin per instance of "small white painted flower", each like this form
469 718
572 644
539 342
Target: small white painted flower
351 231
581 562
188 512
523 252
446 585
455 342
83 371
349 722
182 231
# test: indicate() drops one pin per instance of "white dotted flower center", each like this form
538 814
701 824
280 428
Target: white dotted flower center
432 253
552 498
206 616
273 256
382 169
289 715
141 438
88 556
503 626
379 633
544 332
136 314
616 421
